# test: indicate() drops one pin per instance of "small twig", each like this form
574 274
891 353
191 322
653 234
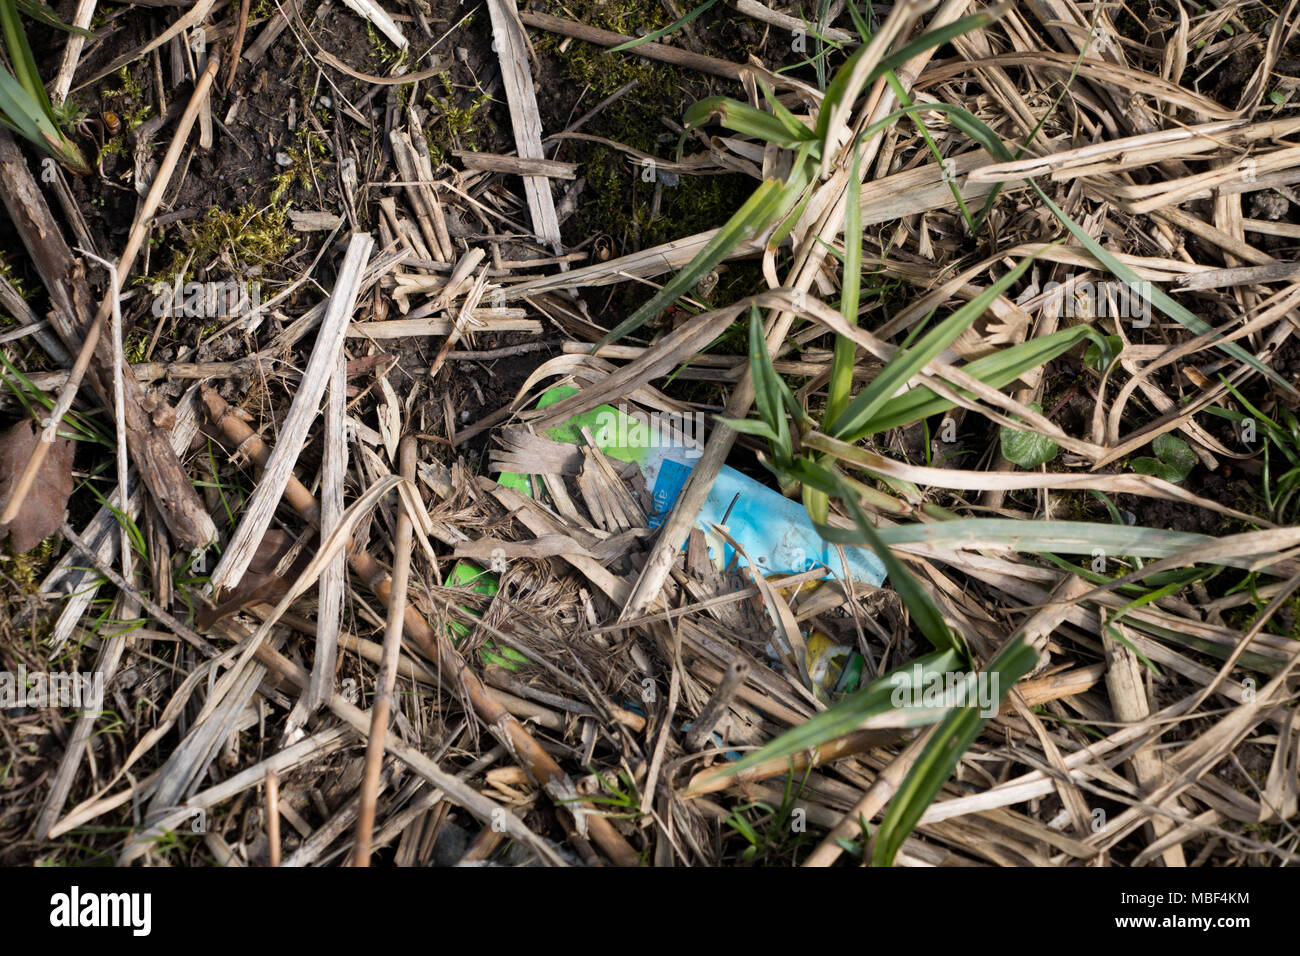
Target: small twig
577 125
702 729
654 51
504 352
382 707
237 44
119 410
272 794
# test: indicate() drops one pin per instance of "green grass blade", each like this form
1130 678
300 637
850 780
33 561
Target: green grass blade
949 741
40 12
20 53
748 121
22 112
851 712
663 32
906 363
997 370
18 110
917 600
787 119
797 194
860 22
838 89
758 212
841 381
901 95
767 387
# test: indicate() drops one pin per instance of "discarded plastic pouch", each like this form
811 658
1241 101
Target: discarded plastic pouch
774 531
468 575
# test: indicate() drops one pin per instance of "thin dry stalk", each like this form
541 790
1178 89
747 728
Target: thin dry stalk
383 702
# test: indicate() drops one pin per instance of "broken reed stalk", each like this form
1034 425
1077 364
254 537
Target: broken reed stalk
237 44
382 707
732 678
525 121
539 765
259 510
654 51
273 815
333 583
119 414
133 243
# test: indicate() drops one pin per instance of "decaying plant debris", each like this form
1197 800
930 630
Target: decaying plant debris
1004 295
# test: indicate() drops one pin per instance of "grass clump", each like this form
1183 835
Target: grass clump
131 111
248 235
309 153
381 49
453 126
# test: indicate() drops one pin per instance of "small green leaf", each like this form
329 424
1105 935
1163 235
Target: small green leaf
1099 355
1175 452
1027 449
1174 459
751 426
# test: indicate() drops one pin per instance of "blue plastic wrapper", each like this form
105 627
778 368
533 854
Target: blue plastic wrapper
772 530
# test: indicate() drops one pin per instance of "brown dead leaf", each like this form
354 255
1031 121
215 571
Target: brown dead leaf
42 511
260 584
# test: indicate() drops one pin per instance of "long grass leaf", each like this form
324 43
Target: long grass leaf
948 742
841 381
758 212
39 11
906 363
747 120
851 712
999 369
